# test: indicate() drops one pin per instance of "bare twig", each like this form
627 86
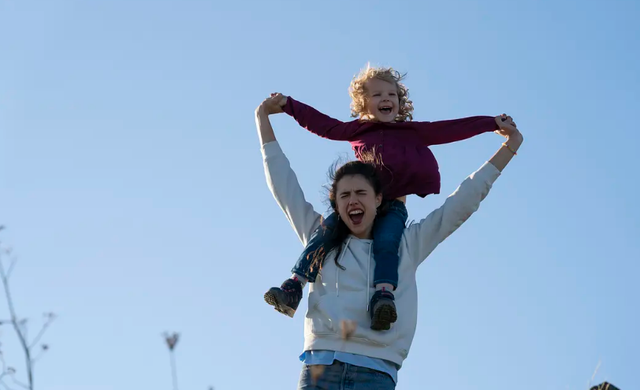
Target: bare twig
11 265
174 371
4 364
17 382
16 326
172 341
5 372
43 350
50 318
24 328
19 325
4 385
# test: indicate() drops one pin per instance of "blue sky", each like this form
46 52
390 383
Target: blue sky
132 185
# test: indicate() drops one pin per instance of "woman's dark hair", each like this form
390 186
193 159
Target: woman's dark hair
340 231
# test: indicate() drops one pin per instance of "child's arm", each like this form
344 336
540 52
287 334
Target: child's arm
319 123
424 237
444 132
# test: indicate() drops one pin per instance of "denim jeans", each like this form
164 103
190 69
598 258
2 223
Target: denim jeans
342 376
387 233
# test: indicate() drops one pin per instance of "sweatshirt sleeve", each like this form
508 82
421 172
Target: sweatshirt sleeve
423 237
284 186
319 123
444 132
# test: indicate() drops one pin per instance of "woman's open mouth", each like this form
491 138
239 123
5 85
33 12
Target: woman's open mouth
356 216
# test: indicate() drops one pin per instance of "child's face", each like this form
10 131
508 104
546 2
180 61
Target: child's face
382 100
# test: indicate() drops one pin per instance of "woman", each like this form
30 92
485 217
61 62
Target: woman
355 354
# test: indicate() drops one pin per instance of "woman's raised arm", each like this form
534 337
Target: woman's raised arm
265 131
281 179
423 237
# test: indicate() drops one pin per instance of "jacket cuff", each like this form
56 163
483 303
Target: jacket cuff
271 149
288 107
487 172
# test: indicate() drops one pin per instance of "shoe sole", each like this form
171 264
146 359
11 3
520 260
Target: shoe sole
383 317
272 300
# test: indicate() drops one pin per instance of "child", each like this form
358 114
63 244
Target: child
407 166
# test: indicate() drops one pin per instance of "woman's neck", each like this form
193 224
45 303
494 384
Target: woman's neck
366 235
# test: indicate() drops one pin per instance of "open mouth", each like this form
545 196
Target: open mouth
385 110
356 216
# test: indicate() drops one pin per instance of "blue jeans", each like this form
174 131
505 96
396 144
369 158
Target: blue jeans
387 233
342 376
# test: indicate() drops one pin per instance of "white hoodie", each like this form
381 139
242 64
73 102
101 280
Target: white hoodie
338 294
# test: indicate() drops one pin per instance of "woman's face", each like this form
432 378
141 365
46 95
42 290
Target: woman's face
357 202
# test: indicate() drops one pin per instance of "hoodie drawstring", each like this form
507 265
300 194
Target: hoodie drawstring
366 291
338 268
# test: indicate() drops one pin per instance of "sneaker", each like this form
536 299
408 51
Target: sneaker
286 298
383 310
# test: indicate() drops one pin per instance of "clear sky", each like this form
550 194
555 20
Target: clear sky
133 190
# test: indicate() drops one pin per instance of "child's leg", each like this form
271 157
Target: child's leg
315 247
387 234
287 297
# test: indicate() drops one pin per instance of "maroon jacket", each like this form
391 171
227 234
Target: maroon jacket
408 165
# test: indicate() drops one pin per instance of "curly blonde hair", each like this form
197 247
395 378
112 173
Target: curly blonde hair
358 92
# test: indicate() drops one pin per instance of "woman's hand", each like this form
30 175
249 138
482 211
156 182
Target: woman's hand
505 124
507 129
272 104
279 98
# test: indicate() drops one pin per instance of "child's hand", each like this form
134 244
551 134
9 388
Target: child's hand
508 129
271 105
279 98
506 125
